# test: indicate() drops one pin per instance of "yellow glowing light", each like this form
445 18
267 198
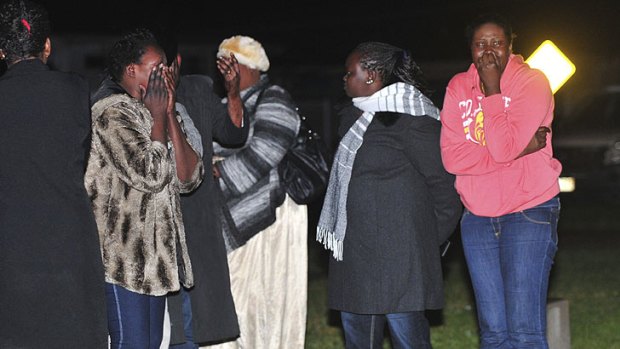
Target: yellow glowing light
551 61
567 184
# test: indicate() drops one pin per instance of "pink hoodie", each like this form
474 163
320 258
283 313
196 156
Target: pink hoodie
481 138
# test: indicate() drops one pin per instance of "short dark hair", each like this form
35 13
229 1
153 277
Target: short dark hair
24 27
393 64
129 49
486 18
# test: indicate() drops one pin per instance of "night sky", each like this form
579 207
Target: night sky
308 41
323 32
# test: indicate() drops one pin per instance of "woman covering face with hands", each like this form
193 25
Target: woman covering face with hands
265 231
496 139
140 162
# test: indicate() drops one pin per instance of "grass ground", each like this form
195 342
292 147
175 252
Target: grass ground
585 273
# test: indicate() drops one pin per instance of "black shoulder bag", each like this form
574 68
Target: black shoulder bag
304 170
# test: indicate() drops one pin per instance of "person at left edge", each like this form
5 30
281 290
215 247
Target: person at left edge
52 291
140 162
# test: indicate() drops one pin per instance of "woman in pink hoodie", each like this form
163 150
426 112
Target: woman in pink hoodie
496 139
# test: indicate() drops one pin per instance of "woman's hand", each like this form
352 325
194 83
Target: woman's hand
155 96
538 141
186 158
155 99
172 77
229 68
490 72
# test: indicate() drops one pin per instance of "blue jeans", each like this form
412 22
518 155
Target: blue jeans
187 323
509 260
408 330
135 321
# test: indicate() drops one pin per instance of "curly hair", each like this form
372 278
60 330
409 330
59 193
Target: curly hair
24 28
393 64
129 49
487 18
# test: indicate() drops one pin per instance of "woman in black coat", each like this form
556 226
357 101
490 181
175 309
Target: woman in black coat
210 310
51 274
389 204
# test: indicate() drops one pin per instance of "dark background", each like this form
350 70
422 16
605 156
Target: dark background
308 41
315 36
322 32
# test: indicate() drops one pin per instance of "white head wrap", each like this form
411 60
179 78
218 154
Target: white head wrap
248 52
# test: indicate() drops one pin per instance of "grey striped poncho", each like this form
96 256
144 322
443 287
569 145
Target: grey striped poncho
249 176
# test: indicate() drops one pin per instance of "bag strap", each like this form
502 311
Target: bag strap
258 99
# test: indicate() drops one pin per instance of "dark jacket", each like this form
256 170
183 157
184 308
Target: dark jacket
52 283
401 206
213 310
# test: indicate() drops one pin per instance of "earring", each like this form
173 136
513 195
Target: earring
369 81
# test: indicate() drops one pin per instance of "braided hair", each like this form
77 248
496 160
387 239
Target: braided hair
393 64
24 28
129 49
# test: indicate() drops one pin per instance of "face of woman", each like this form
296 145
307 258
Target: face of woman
490 40
248 77
152 57
356 78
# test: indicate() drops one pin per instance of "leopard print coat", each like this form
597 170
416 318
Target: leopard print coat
134 190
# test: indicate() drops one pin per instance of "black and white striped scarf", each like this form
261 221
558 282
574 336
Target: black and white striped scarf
398 97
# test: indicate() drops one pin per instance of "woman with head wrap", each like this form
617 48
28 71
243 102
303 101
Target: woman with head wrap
51 275
389 203
264 230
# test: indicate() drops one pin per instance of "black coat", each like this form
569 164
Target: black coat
401 206
52 291
213 310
